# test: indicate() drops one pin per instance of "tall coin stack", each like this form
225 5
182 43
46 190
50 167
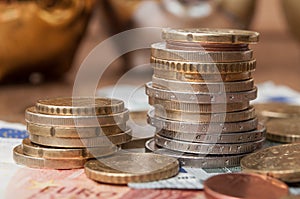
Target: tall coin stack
66 132
201 92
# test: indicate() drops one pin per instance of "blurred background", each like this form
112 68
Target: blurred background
43 42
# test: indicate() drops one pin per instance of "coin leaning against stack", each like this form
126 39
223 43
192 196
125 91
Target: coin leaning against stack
201 91
64 133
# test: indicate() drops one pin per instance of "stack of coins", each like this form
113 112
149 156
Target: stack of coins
201 92
64 132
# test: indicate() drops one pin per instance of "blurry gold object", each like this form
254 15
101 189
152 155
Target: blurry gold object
291 10
40 36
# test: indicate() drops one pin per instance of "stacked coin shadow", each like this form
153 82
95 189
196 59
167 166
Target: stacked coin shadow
200 92
64 133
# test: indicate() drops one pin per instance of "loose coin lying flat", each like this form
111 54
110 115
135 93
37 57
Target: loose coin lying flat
100 141
196 160
198 127
277 110
204 148
35 150
225 138
284 130
241 185
43 163
32 116
75 132
123 168
79 106
198 108
280 162
209 35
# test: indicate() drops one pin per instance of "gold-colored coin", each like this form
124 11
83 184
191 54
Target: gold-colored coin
100 141
203 68
32 116
277 110
211 87
280 162
284 130
75 132
161 51
79 106
197 77
209 35
35 150
205 118
43 163
124 168
198 108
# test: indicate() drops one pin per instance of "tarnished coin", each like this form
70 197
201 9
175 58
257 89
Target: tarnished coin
44 163
32 116
242 185
197 77
197 97
204 148
75 132
211 87
198 108
277 110
124 168
280 162
205 117
284 130
79 106
202 67
225 138
99 141
161 51
35 150
196 160
209 35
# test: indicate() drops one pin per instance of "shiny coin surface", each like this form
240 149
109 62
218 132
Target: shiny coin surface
277 110
198 108
280 162
197 97
32 116
79 106
284 130
198 127
75 132
196 160
202 67
209 35
123 168
211 87
241 185
225 138
197 77
100 141
204 148
205 117
44 163
35 150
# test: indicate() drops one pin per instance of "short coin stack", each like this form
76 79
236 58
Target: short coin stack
201 92
65 132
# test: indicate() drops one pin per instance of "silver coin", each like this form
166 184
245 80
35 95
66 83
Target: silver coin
197 127
241 137
196 160
203 148
197 97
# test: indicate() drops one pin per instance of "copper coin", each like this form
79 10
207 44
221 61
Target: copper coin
242 185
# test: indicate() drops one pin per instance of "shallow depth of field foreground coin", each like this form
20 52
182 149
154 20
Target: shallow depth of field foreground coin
241 185
123 168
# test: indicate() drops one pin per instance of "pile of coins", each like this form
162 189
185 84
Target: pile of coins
201 92
66 132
